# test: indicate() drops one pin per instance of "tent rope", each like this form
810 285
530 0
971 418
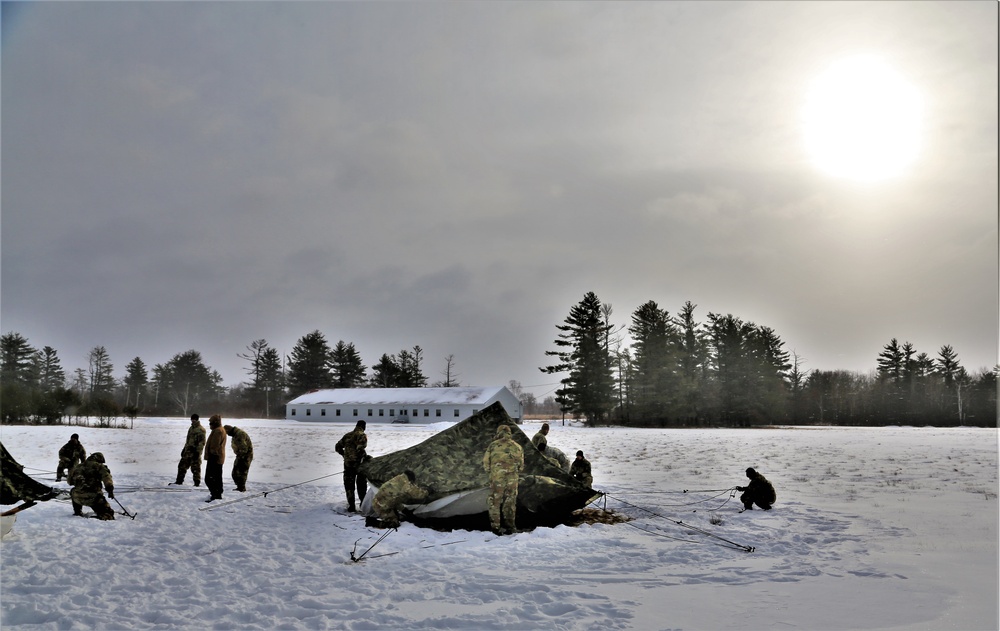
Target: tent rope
725 542
264 493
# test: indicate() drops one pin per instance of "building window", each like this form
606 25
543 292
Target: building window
338 412
381 412
355 411
322 412
427 412
456 412
370 412
293 411
309 411
416 412
437 412
392 412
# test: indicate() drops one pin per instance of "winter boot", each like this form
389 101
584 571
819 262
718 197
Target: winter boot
77 509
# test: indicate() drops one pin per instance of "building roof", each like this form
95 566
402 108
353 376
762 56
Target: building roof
471 395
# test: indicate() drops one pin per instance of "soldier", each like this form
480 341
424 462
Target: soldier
759 491
215 455
540 439
580 470
191 452
70 454
87 479
352 447
392 495
503 460
243 449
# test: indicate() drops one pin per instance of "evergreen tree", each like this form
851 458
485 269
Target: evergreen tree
136 379
410 366
588 389
186 382
100 371
693 363
386 373
347 367
49 370
655 381
16 360
309 365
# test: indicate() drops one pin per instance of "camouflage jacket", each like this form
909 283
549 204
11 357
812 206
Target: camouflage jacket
398 491
241 442
580 469
89 476
352 446
73 451
504 458
760 488
539 440
195 439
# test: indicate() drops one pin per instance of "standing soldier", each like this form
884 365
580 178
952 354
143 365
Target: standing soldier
352 447
392 495
503 461
581 470
70 454
87 479
191 452
243 449
215 455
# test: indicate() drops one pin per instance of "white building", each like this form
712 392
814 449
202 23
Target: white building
400 405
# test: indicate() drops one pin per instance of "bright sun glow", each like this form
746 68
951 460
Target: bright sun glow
862 120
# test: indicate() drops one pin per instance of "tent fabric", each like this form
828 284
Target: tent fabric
450 465
17 486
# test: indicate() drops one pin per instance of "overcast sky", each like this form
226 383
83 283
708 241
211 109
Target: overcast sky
457 176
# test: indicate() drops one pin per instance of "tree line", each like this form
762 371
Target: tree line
35 388
730 372
677 371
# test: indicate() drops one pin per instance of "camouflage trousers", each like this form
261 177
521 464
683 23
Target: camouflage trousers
240 470
389 515
502 504
190 459
353 480
96 501
64 465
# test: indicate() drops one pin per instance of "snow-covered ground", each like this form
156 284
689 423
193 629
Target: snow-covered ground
875 528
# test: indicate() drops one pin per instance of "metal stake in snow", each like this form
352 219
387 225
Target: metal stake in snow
384 535
124 510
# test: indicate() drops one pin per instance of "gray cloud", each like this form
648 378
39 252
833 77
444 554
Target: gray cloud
201 175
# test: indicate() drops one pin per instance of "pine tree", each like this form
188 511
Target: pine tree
346 365
588 389
309 365
136 379
49 370
655 381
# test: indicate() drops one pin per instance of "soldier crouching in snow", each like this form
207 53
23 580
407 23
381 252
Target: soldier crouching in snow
759 492
503 460
87 479
392 495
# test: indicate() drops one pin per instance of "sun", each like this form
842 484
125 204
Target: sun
862 120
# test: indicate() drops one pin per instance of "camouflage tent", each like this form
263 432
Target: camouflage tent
17 486
450 464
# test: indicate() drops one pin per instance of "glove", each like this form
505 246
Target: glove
741 488
111 493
